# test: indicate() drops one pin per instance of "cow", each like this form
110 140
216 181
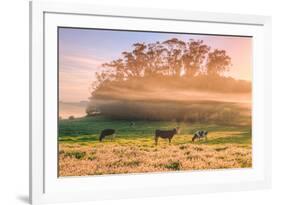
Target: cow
107 132
199 135
132 124
165 134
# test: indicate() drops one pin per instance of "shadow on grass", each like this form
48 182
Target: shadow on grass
236 139
244 139
79 139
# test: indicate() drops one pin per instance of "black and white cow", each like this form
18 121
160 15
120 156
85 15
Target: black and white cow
200 134
165 134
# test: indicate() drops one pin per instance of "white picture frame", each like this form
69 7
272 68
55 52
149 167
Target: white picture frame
46 187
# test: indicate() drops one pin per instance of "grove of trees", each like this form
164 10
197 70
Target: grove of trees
172 57
147 83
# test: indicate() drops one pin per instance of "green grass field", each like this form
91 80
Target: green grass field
133 149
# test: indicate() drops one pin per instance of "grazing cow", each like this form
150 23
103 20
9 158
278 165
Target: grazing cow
165 134
132 124
199 135
107 132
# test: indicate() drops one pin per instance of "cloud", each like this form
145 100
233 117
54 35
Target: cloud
80 63
76 74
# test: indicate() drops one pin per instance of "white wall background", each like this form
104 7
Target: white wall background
14 100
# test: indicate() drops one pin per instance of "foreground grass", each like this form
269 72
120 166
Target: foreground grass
133 149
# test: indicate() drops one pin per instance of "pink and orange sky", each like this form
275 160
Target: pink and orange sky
82 51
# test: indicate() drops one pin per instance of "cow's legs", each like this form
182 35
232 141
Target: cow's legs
112 136
170 140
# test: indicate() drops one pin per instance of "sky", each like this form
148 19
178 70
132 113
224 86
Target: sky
83 51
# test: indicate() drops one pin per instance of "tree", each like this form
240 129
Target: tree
135 61
194 57
218 62
155 59
175 50
118 65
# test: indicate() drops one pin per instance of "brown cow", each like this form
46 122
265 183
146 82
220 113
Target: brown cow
165 134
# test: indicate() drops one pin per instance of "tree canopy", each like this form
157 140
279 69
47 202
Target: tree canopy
172 57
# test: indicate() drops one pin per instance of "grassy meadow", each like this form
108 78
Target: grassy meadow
133 149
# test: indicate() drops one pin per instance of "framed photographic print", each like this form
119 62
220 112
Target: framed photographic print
129 102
